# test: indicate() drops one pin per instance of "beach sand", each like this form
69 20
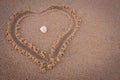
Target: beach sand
92 54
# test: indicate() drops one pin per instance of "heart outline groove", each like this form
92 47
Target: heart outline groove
39 57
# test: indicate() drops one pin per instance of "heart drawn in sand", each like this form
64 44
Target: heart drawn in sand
42 59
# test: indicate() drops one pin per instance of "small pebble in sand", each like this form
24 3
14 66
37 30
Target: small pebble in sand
43 29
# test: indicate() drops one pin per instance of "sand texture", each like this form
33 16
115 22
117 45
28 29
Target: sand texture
82 41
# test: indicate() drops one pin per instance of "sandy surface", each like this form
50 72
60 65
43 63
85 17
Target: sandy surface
93 54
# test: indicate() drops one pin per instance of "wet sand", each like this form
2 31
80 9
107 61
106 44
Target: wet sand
92 54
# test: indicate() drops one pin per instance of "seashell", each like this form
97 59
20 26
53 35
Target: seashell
43 29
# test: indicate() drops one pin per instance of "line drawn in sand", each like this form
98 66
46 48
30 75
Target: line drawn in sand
23 46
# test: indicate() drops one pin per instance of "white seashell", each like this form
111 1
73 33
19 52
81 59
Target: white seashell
43 29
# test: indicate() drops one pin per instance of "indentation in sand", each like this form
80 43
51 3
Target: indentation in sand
44 60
